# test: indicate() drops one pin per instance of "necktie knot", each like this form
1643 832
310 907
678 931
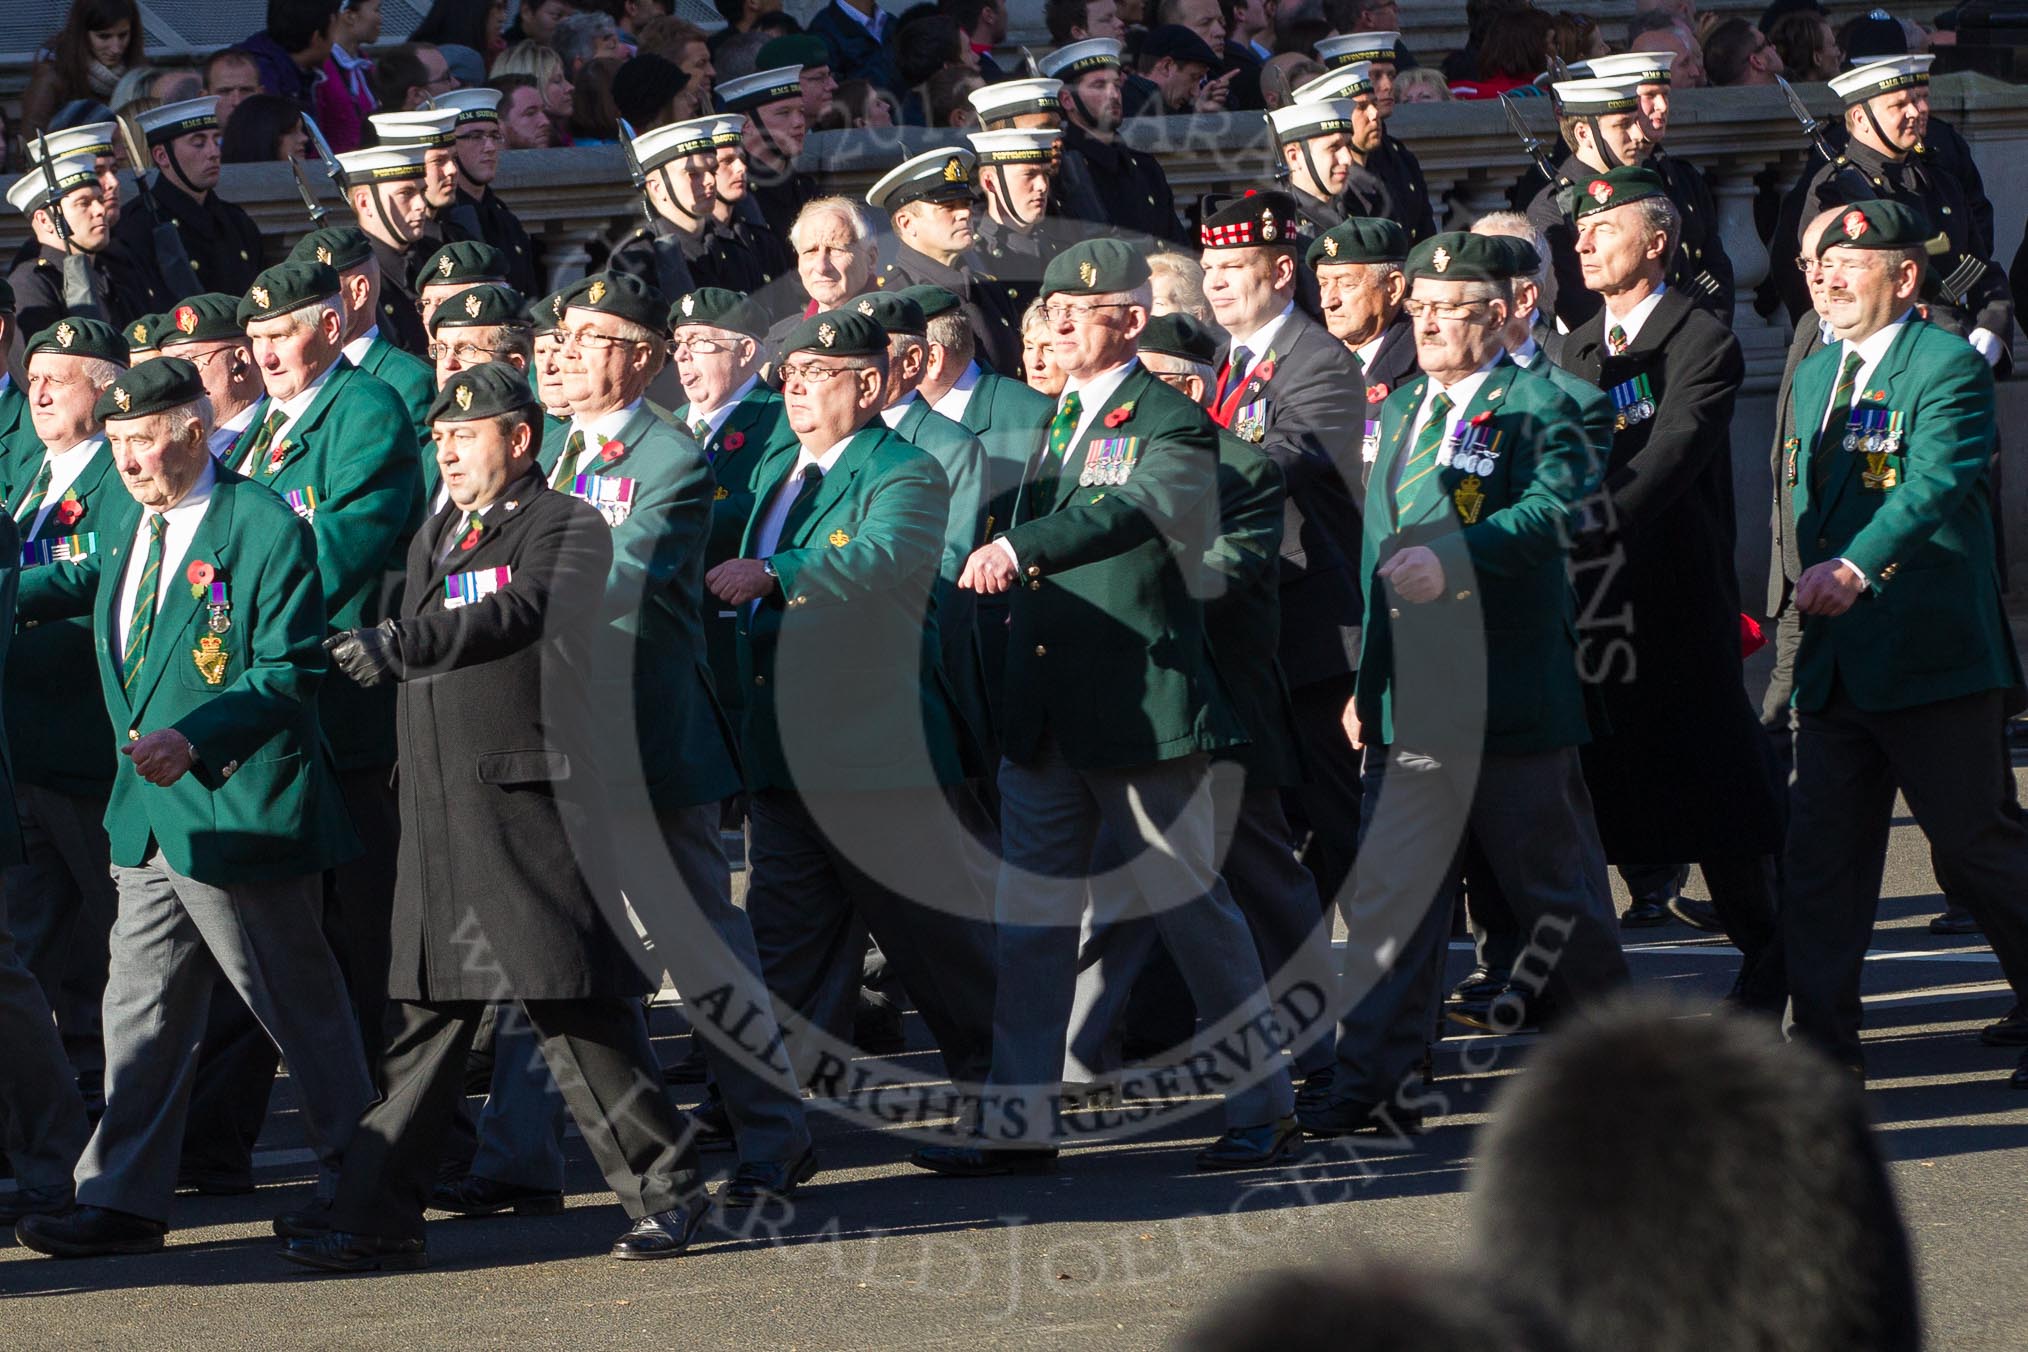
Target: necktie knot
1617 340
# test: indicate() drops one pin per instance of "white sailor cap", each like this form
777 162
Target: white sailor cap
937 175
674 141
163 124
1073 59
92 138
1646 67
383 164
727 129
476 104
1596 98
1305 118
1882 77
30 192
1345 82
429 127
1346 48
1016 145
1011 98
759 89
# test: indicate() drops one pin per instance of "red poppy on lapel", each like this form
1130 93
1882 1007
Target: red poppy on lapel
732 441
1120 415
1482 417
200 573
1376 393
69 511
612 451
1264 373
471 538
1875 396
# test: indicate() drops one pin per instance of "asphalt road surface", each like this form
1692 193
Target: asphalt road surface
1118 1251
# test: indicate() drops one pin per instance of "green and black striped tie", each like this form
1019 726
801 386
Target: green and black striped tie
143 622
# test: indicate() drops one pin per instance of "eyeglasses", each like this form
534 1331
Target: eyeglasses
1082 310
701 347
1807 264
202 359
806 373
591 340
469 354
1417 309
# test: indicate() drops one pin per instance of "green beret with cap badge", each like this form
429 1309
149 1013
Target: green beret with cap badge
154 386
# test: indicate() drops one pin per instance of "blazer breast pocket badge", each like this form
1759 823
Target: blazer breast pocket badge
464 589
611 494
1633 403
60 549
1250 422
1109 460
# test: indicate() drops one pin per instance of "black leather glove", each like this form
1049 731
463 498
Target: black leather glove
368 656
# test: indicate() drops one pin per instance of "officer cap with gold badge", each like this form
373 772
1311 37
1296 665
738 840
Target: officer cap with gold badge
895 313
1033 145
1181 335
30 193
80 338
1010 99
1348 48
471 105
836 333
717 308
92 138
338 247
486 306
934 176
143 335
1347 82
1616 188
1882 223
1095 267
209 317
163 124
426 127
1640 67
615 293
1074 59
464 262
1597 97
1361 239
285 287
675 141
1882 77
154 386
933 300
490 390
748 93
1459 256
1252 220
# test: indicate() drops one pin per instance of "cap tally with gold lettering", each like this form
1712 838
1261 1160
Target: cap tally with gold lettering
383 164
1597 98
1010 99
30 193
1350 47
1643 67
471 105
1031 145
433 127
1882 77
676 141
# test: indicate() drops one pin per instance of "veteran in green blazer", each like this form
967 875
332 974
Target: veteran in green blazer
1468 696
207 616
1906 665
852 743
347 251
1112 708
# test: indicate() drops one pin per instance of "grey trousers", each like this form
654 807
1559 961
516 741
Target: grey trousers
1532 817
1052 815
173 939
1274 891
60 901
708 945
42 1119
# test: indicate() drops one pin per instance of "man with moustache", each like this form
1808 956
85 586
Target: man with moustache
1361 290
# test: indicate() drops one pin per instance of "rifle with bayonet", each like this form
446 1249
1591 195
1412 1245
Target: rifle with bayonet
172 260
330 161
80 296
318 211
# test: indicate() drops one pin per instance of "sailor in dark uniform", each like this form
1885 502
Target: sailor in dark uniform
91 138
1135 198
1032 105
684 249
477 212
1393 163
734 210
772 103
385 187
67 276
435 130
1015 235
1315 138
929 201
219 242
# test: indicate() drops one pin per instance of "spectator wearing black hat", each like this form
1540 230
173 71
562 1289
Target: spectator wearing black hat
1175 75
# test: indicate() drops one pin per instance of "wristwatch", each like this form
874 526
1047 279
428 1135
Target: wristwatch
768 567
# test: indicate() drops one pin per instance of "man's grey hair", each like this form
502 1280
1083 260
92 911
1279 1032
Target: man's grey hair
311 315
197 415
857 224
101 372
1658 213
953 332
1515 225
577 37
901 344
518 340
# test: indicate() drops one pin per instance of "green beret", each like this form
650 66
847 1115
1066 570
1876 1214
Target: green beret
615 293
153 386
1879 224
80 338
144 332
1363 239
837 333
285 287
1181 335
486 391
934 300
484 306
1617 187
547 314
1522 258
467 261
793 49
1092 267
339 247
1457 256
207 318
894 312
721 309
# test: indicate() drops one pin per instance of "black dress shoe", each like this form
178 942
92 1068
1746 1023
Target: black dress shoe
665 1234
2009 1031
713 1126
1509 1011
1350 1116
89 1231
476 1196
767 1180
1698 915
341 1251
1253 1147
876 1025
1315 1090
45 1201
979 1161
2019 1079
1644 914
206 1183
1483 984
305 1222
1955 920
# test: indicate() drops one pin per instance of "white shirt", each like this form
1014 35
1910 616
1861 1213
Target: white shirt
355 351
1368 351
770 533
1524 356
1870 350
1461 396
226 433
892 414
1633 319
597 431
1093 395
717 416
1261 340
296 405
183 520
64 467
953 402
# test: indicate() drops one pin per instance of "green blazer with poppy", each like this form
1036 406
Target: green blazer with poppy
1106 647
845 691
415 380
56 722
964 463
1917 522
349 467
656 493
261 802
1501 638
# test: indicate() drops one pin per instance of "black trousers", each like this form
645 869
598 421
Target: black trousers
236 1067
1324 812
1946 759
599 1051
